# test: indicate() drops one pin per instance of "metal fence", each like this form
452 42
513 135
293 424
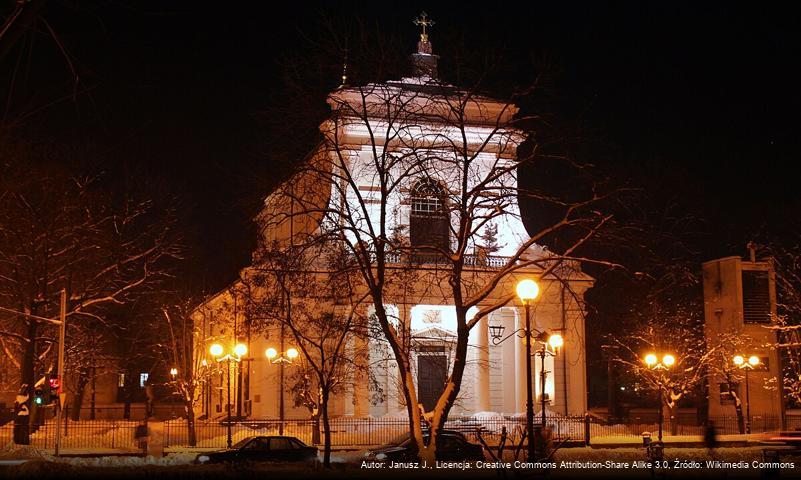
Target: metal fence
121 435
728 425
362 432
84 435
359 432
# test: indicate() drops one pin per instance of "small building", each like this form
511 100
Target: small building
740 299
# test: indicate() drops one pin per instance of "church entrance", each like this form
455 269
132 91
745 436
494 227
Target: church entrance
431 376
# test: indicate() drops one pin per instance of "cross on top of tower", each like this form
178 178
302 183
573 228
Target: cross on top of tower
423 21
424 46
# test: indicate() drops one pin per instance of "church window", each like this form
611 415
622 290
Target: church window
428 222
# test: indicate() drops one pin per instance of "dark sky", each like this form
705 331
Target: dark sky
697 102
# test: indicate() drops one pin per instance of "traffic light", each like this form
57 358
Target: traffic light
55 388
46 390
39 395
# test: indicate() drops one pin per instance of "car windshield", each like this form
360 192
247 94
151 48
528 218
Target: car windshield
241 443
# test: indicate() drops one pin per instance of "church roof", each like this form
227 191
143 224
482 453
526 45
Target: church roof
423 87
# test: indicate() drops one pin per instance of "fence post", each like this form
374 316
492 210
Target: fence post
586 429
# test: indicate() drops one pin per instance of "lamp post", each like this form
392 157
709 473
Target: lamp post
285 357
217 352
652 362
752 363
528 290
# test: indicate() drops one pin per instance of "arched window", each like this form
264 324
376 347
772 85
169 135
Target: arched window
429 222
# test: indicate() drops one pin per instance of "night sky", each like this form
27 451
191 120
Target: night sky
695 103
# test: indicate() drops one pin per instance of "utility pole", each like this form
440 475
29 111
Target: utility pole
62 333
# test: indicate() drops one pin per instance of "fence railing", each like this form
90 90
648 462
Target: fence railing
728 425
117 435
361 432
121 435
421 258
358 432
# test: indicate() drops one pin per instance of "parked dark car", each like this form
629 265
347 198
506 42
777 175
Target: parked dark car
451 446
262 449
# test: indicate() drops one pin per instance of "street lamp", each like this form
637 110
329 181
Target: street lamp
652 362
753 362
217 352
528 290
285 357
173 372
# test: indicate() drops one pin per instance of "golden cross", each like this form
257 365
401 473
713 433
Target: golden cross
423 21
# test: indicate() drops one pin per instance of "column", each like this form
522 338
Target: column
483 386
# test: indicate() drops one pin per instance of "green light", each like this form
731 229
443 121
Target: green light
38 400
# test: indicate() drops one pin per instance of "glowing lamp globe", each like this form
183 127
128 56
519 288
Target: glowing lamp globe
650 359
528 290
241 349
216 350
173 371
668 360
292 353
556 341
271 353
753 360
738 360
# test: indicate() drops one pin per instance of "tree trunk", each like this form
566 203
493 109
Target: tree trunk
80 389
738 408
190 423
316 428
326 428
24 401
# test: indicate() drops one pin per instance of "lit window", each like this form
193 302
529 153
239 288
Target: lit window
143 379
121 380
429 223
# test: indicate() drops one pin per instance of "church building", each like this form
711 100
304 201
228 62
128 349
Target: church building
261 379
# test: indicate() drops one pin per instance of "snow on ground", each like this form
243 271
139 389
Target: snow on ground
668 439
633 454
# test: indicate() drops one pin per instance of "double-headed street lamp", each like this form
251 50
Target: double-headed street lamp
285 357
528 291
752 363
218 352
652 362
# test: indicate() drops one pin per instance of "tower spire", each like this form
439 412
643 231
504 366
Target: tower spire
424 45
424 62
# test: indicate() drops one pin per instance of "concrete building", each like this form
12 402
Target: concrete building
740 299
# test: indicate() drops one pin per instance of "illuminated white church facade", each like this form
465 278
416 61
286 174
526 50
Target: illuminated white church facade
494 379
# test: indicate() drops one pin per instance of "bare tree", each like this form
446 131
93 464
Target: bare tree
188 370
787 264
668 333
455 152
60 229
721 366
311 294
